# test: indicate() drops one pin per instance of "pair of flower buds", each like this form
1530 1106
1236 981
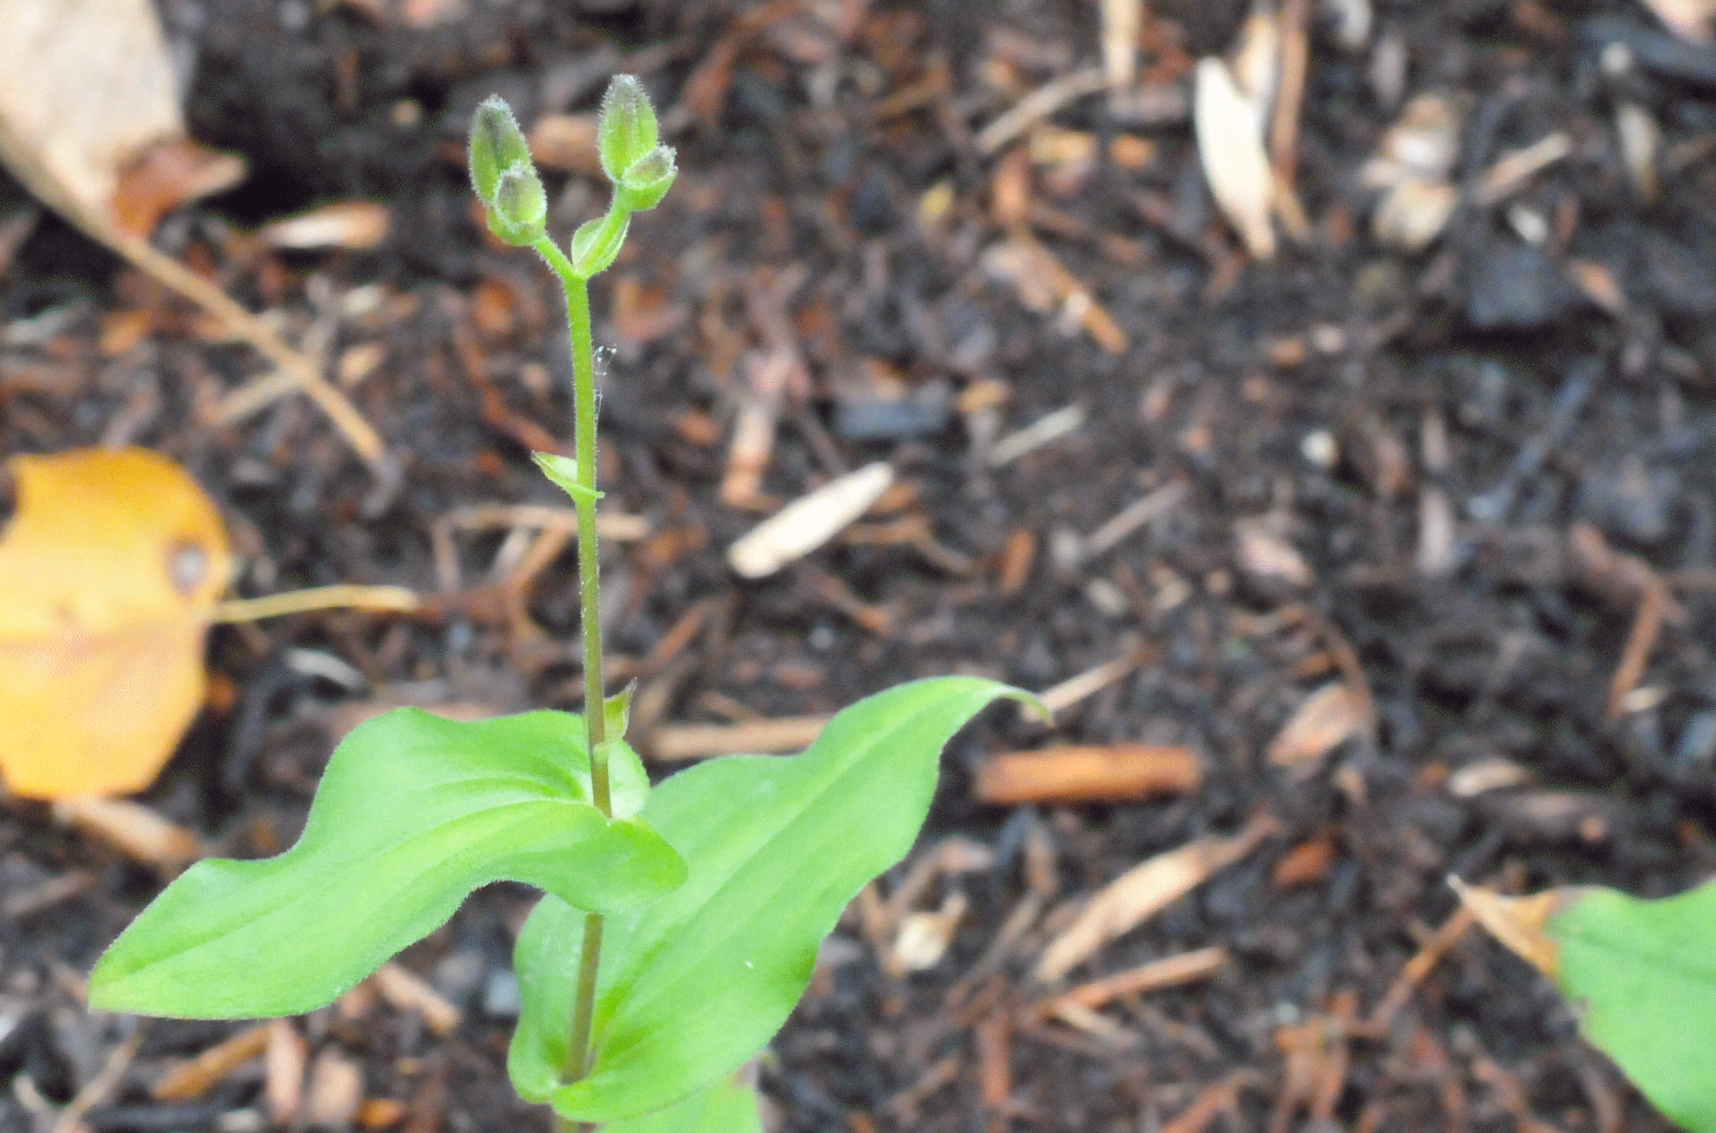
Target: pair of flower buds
627 141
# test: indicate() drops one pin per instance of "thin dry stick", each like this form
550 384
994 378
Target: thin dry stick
1647 627
1438 946
98 1087
363 438
341 597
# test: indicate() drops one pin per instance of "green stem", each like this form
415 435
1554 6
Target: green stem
595 723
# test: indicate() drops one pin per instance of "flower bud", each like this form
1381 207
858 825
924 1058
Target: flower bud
497 144
519 211
648 180
626 130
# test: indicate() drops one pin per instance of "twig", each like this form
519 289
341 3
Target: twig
1647 627
340 597
98 1087
1440 942
1039 104
172 274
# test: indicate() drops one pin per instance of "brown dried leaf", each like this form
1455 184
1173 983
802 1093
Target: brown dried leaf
167 175
1326 718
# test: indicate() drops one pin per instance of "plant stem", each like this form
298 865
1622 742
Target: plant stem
589 583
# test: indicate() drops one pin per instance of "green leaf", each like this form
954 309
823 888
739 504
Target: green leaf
729 1107
563 472
626 128
617 712
597 242
413 813
1643 976
695 984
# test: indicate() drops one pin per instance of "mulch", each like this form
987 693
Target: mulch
1468 489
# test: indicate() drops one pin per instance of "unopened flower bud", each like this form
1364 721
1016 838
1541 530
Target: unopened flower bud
648 180
626 131
497 144
519 213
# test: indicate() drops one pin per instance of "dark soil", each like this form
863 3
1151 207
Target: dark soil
802 191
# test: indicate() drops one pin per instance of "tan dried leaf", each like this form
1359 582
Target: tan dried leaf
1689 19
1325 719
1518 921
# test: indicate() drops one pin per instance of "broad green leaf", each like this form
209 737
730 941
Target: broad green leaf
1645 975
696 983
413 813
1641 975
728 1107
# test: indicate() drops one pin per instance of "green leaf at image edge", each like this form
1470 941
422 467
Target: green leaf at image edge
694 985
1642 976
727 1107
413 813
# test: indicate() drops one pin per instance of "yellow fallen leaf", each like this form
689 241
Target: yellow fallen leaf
109 573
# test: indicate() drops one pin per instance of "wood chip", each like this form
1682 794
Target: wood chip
1229 127
566 142
406 991
1324 720
1266 556
283 1061
192 1079
922 938
1170 971
1689 19
1036 106
358 225
133 829
808 522
380 1113
1513 169
335 1091
1045 429
1145 890
1118 773
1122 21
674 743
1305 864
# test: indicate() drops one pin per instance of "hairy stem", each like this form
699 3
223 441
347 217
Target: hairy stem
595 723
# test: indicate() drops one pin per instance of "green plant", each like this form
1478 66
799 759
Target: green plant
1640 974
679 923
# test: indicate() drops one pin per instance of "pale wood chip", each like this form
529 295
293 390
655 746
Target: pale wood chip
1229 127
1145 890
283 1061
406 991
133 829
809 521
674 743
1324 720
335 1091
